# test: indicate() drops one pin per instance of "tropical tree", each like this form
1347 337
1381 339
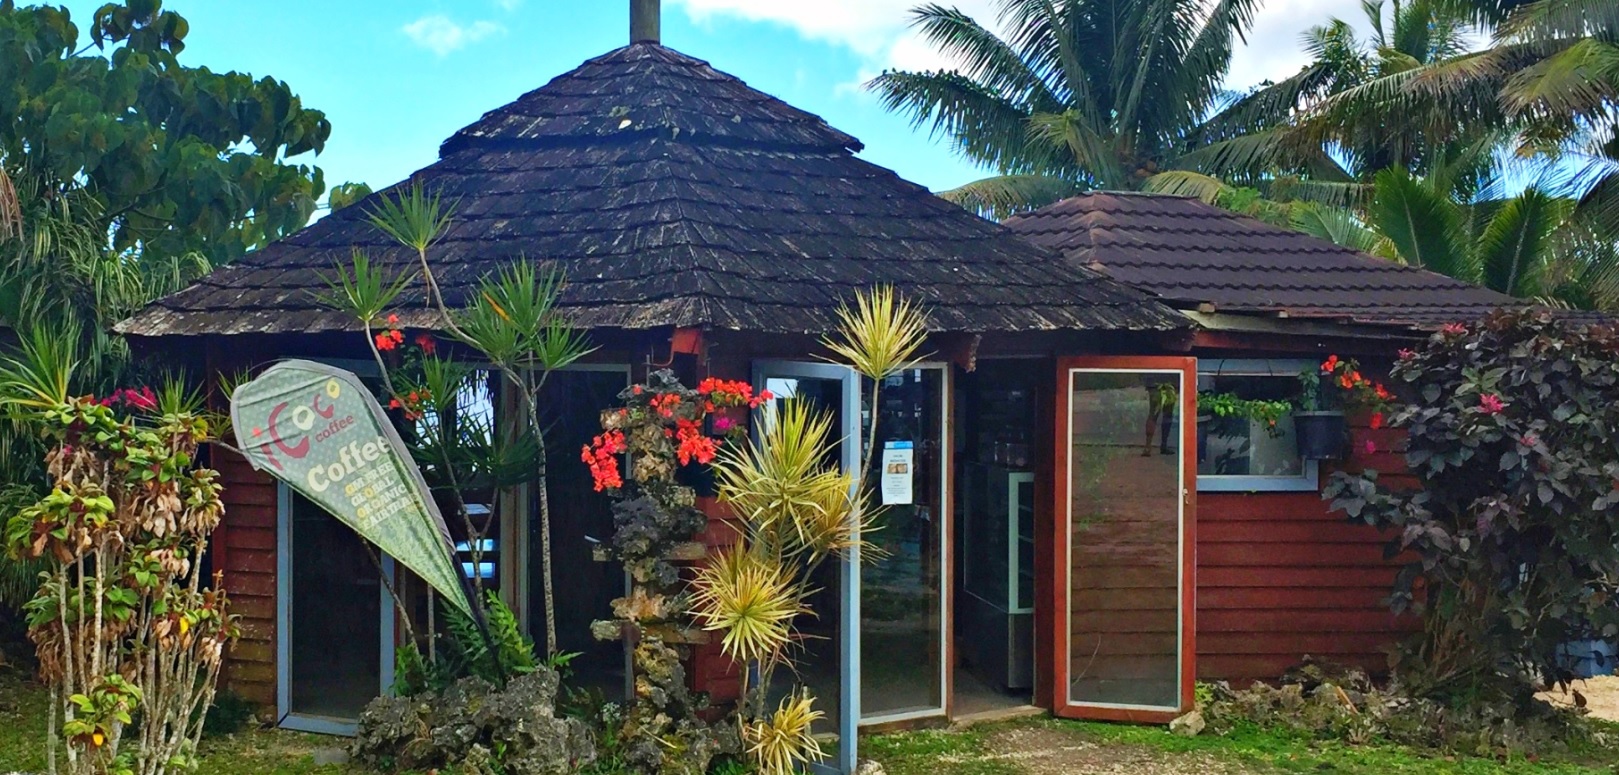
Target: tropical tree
1528 245
1074 95
1286 138
175 159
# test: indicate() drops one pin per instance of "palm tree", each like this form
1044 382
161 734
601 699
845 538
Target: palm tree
1528 245
1076 94
1288 139
1547 88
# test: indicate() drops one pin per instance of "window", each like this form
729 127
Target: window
1247 454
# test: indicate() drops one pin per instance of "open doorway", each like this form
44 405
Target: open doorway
995 539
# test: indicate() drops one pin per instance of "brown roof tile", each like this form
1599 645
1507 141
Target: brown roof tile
1191 253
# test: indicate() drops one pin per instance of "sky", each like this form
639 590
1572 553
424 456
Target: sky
397 77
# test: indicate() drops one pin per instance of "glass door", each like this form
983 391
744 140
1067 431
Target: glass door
1125 523
330 592
903 634
829 663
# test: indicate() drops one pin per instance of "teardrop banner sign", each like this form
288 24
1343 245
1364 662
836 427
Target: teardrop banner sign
320 430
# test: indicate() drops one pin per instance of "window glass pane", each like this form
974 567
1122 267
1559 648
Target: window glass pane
1241 446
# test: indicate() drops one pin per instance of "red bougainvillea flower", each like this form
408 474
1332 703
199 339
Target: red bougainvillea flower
601 456
1377 420
384 342
397 336
1382 392
393 320
393 403
1491 403
1453 329
425 341
1330 365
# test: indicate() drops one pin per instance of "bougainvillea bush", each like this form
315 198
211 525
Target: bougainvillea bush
1513 431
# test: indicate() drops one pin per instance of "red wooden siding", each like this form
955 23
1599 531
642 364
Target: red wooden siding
246 553
1280 577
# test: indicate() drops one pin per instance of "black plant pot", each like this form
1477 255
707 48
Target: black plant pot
1321 435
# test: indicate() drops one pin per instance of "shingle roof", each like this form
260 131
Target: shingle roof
672 194
1191 253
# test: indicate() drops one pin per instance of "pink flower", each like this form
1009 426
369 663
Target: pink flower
1371 447
1407 354
1453 329
1491 403
1529 440
722 424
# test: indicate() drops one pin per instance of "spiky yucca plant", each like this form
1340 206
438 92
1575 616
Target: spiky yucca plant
752 601
785 741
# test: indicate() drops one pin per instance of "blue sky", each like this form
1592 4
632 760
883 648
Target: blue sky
397 77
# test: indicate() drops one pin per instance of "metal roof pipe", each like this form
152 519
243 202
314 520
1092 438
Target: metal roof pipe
646 21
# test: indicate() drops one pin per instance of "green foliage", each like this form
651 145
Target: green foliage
1090 98
1266 411
177 159
463 652
1515 530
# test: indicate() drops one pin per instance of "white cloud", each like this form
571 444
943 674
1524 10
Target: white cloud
441 35
1274 49
879 31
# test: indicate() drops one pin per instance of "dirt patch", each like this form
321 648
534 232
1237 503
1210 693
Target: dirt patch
1042 750
1601 696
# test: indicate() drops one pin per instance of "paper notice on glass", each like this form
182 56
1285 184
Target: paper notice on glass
899 459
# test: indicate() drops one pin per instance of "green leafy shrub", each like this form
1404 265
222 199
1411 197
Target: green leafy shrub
463 652
1514 532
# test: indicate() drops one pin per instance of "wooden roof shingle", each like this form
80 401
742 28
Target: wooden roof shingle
671 194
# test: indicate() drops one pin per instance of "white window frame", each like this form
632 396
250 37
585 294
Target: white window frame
1310 480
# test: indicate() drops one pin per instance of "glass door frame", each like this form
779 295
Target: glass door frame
1062 537
849 573
286 717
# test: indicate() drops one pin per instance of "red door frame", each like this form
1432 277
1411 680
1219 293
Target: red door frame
1061 535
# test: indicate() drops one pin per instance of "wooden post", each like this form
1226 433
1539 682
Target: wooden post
646 21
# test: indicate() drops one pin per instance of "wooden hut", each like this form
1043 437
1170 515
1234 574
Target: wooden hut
1060 542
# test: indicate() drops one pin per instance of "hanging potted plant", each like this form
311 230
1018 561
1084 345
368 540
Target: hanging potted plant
1213 407
1325 394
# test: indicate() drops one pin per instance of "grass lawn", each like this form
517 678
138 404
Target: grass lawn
256 752
1051 747
1028 747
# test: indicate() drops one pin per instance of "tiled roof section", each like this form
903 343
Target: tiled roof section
673 195
1191 253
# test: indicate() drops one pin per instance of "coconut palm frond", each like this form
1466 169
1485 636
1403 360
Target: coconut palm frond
1513 248
984 126
1004 196
1581 80
1425 227
1337 225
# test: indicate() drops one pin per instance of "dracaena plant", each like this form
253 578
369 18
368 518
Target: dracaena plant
508 322
122 623
798 511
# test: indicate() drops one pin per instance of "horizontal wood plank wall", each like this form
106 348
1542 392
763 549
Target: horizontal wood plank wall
248 561
1281 577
